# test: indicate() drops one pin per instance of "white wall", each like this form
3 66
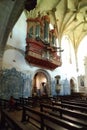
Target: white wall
13 56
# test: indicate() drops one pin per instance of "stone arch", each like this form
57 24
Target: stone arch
46 80
72 84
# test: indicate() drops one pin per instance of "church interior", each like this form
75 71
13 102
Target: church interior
43 64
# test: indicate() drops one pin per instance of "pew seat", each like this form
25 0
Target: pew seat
71 107
48 122
69 115
9 122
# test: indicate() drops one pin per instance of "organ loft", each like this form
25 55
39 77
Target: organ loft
41 47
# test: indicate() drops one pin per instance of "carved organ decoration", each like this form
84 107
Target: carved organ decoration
40 43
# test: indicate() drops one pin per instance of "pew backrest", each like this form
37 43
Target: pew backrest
69 115
71 107
48 121
11 121
62 111
75 103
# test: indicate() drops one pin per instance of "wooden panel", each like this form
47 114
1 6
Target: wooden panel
39 51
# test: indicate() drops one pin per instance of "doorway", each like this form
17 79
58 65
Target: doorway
41 83
72 85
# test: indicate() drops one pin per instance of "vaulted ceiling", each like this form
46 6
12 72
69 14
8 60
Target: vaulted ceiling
70 17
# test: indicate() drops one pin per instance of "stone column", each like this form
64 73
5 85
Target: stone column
1 72
1 57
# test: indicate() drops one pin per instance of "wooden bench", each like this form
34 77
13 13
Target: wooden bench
74 96
69 106
79 101
21 100
45 121
75 103
3 103
8 121
30 101
72 116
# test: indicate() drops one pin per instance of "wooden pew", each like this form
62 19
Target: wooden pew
79 101
47 122
74 96
69 106
76 117
3 103
22 101
75 103
8 121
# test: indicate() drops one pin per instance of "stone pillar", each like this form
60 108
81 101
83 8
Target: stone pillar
9 14
1 60
1 57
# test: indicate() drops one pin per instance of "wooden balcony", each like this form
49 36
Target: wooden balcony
41 55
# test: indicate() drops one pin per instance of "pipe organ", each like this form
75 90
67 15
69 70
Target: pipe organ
41 47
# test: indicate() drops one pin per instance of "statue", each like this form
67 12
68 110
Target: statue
58 85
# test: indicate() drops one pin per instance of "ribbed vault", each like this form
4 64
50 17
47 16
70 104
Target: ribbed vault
70 17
